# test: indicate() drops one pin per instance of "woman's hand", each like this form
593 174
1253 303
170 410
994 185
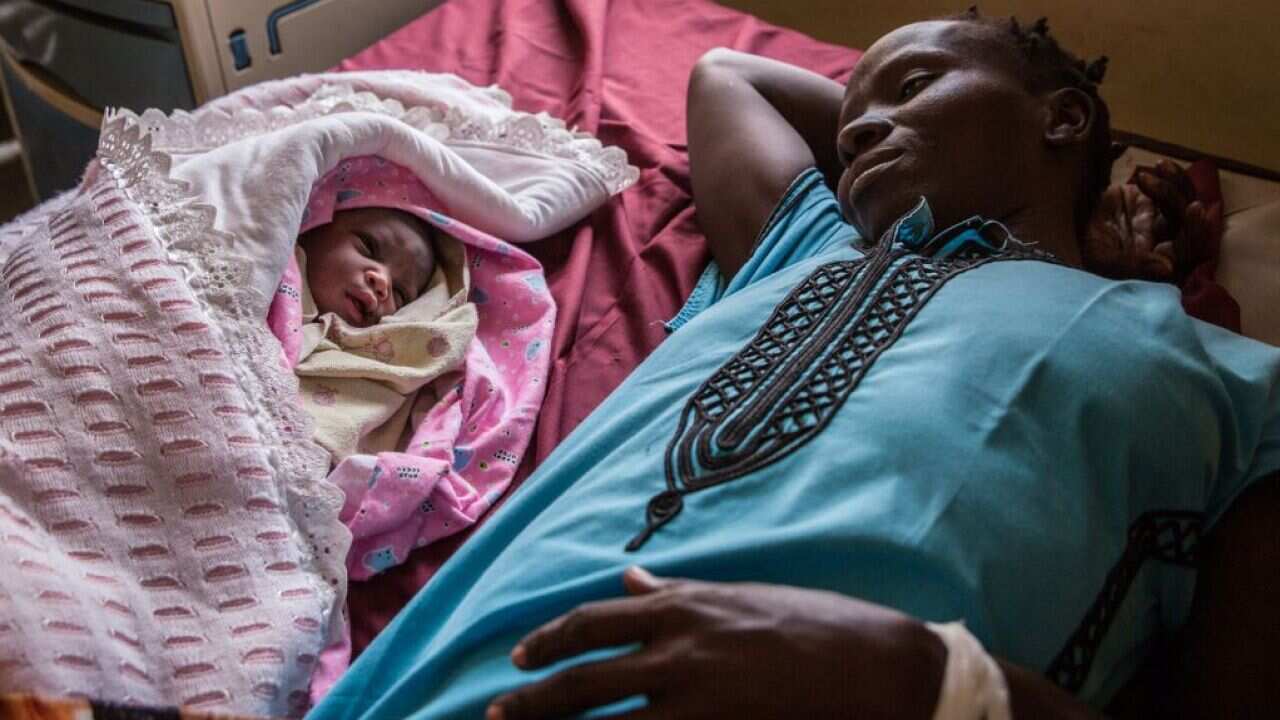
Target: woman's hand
741 650
1152 230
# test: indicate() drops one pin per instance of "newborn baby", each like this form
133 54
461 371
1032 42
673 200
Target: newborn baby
385 316
368 263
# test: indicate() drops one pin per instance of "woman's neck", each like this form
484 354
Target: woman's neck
1047 228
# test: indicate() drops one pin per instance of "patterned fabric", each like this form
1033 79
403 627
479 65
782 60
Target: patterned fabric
1034 453
1169 537
469 431
466 443
34 707
153 533
784 387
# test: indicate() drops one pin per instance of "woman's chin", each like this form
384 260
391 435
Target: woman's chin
883 212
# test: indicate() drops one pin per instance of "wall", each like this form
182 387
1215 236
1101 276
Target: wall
1205 75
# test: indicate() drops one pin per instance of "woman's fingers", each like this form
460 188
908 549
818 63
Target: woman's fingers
1177 176
591 626
1160 264
639 581
1166 195
1142 223
577 689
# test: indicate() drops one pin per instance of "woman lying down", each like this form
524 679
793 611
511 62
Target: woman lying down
915 460
177 520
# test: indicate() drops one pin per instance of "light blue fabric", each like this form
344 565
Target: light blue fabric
988 467
801 226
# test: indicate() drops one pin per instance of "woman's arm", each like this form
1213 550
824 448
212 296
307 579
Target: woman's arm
747 650
753 650
754 124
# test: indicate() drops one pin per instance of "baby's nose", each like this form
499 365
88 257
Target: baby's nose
378 284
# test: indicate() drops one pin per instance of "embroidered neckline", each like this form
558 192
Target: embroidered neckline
782 389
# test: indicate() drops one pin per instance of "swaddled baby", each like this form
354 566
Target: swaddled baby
385 313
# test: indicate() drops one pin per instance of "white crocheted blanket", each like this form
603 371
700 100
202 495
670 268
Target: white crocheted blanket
167 532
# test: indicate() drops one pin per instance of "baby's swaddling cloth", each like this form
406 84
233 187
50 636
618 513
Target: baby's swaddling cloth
477 341
427 413
361 385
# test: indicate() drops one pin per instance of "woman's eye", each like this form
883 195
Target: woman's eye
913 86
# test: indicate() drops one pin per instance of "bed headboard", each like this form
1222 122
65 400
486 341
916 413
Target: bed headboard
1195 75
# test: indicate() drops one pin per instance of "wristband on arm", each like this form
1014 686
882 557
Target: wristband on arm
973 686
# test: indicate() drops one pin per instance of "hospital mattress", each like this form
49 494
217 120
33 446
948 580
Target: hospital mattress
618 70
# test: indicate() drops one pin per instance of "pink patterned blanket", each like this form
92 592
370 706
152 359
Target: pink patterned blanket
464 448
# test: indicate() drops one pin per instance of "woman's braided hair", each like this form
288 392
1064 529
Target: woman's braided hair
1050 67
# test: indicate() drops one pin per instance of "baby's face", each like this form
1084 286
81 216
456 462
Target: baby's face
368 263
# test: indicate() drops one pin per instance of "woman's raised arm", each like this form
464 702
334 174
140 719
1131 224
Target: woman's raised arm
754 125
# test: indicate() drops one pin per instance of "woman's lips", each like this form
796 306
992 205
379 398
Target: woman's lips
868 175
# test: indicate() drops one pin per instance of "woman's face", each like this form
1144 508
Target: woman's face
368 263
938 109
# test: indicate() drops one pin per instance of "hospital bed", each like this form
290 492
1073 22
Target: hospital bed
620 70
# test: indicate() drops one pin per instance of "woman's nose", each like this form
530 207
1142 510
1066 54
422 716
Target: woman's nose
861 135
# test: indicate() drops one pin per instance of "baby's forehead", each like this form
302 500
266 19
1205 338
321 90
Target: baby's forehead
409 239
419 244
371 217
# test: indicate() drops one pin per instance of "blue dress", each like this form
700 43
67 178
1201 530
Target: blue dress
979 434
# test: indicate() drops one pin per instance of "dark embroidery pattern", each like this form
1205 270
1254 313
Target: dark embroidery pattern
782 389
1172 537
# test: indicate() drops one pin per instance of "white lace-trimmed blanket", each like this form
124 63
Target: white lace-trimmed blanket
166 525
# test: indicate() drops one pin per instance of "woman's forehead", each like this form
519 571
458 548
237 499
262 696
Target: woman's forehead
928 33
966 41
959 37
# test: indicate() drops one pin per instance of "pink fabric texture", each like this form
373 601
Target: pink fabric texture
464 448
153 550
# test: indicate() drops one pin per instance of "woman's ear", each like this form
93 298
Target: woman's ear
1070 113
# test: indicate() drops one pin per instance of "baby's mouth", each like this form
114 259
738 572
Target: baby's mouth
362 304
